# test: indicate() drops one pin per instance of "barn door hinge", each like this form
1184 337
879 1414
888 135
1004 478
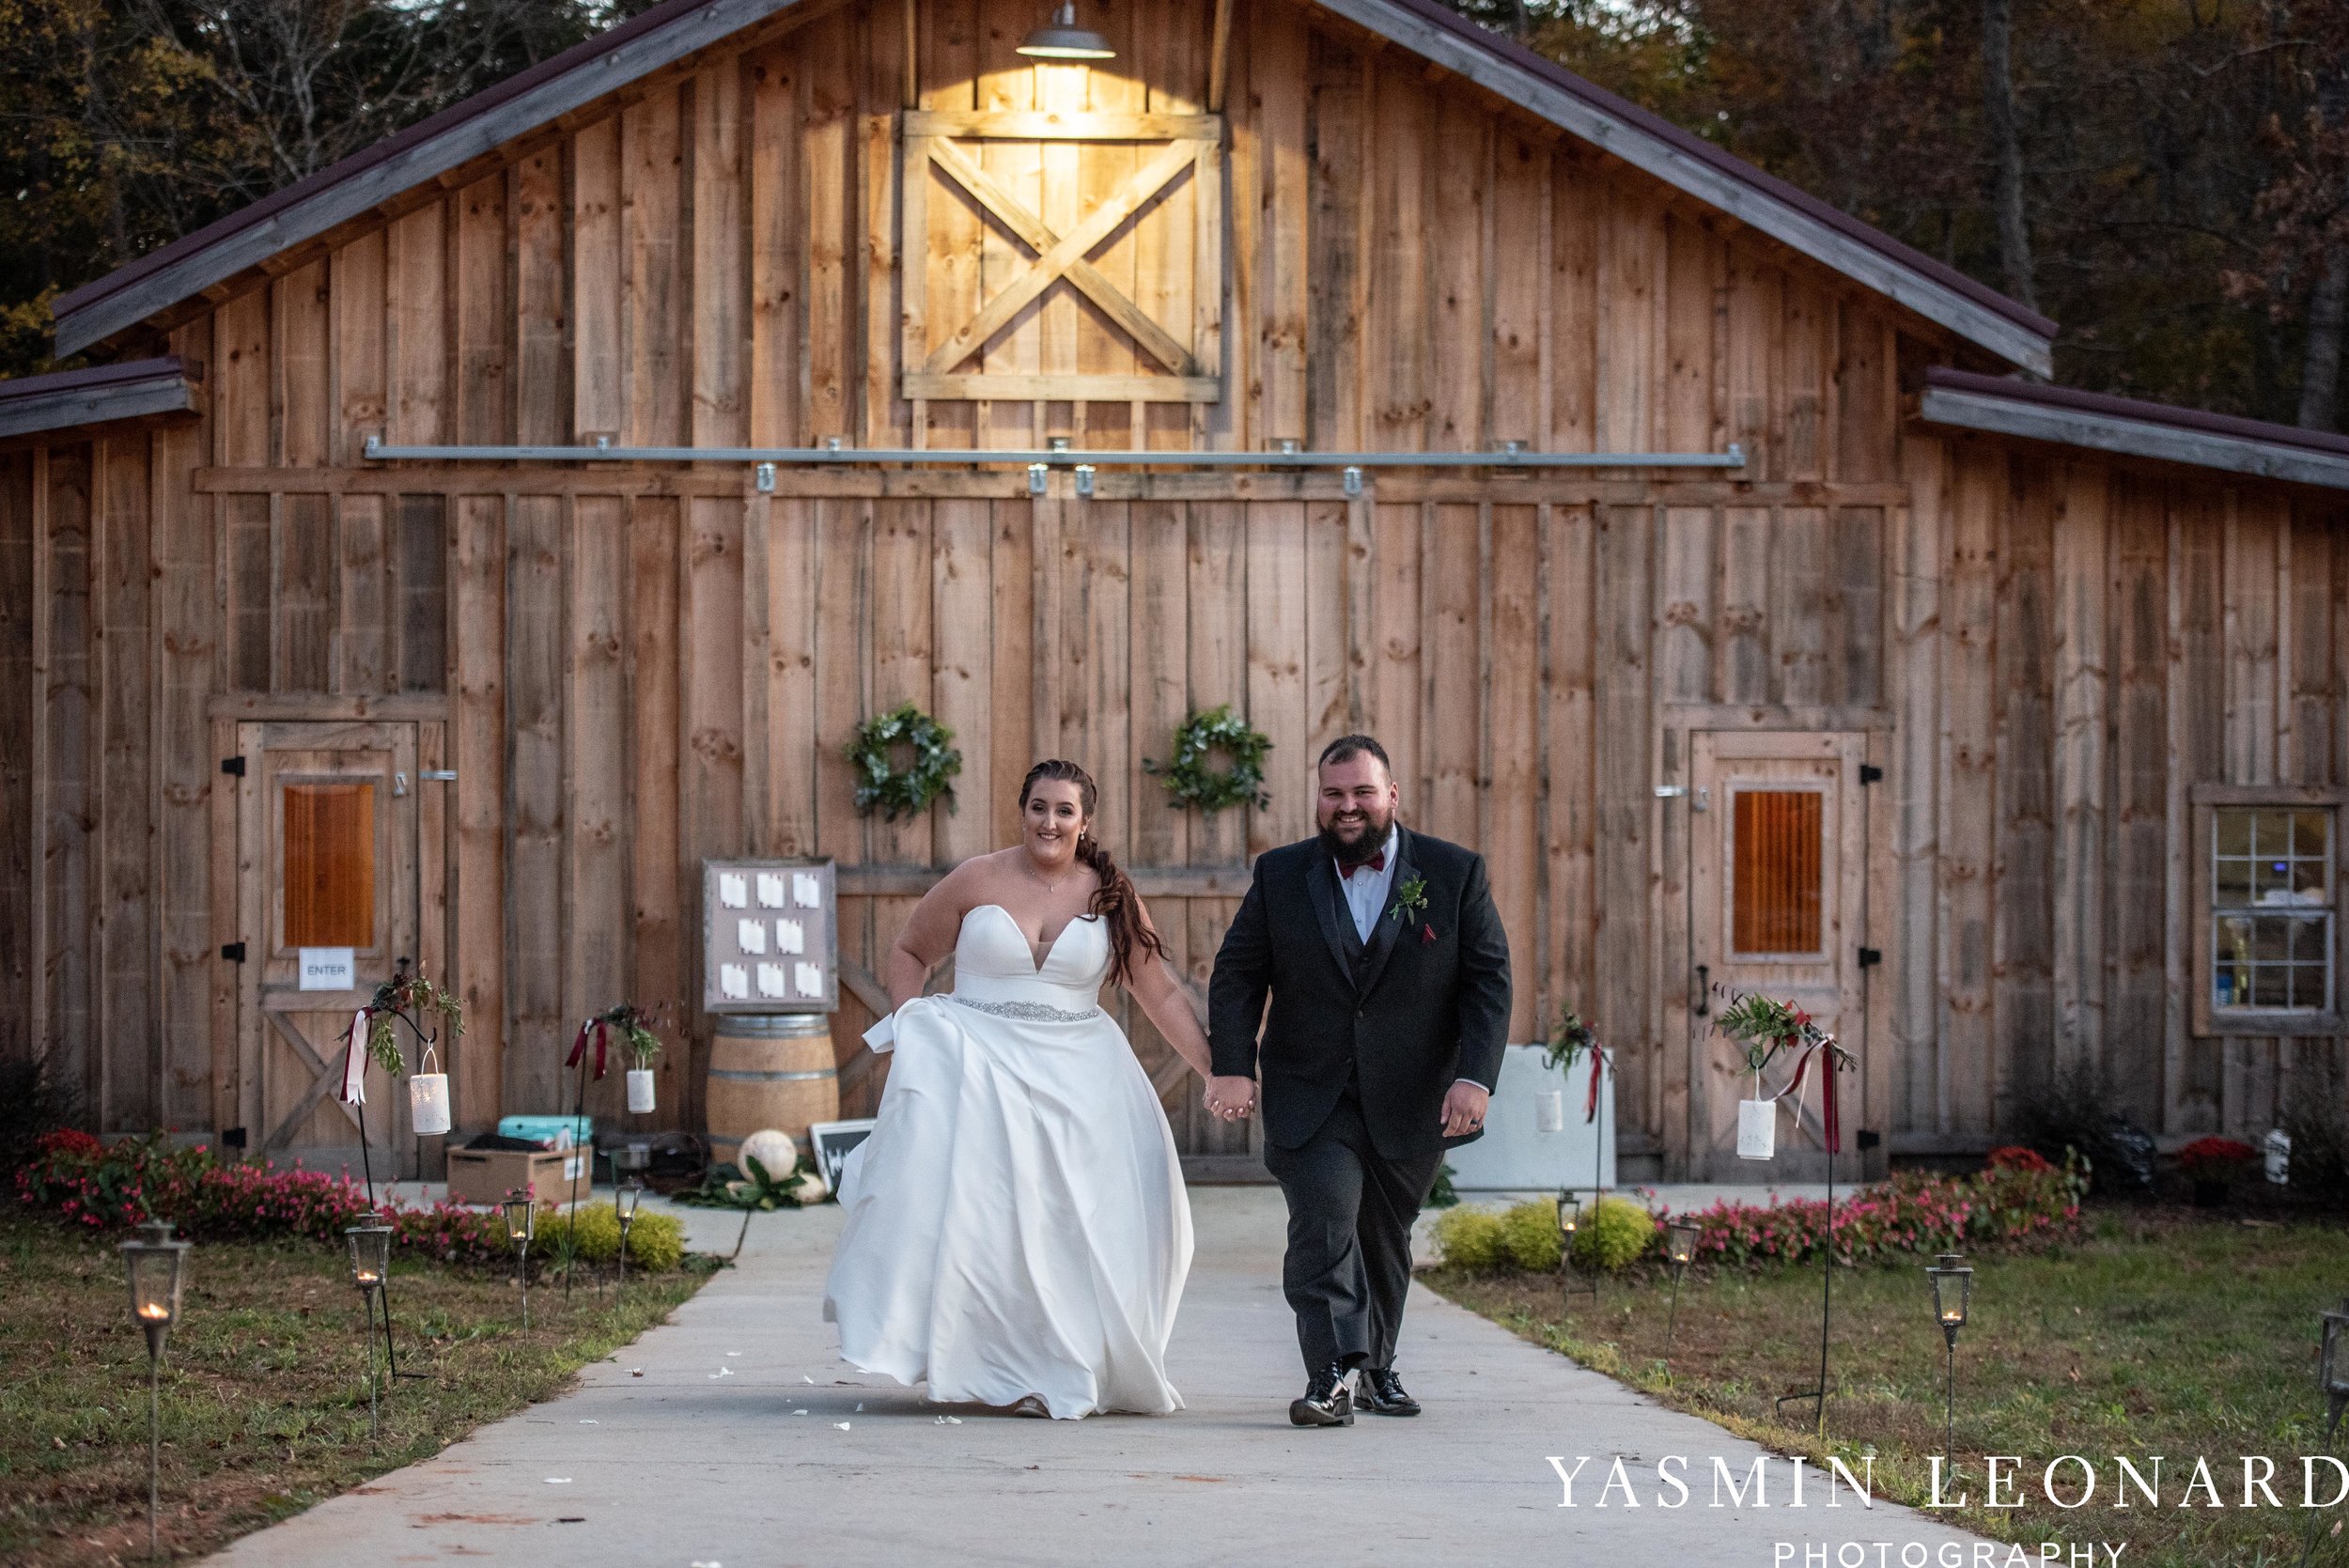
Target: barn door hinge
1870 957
234 952
1870 773
233 766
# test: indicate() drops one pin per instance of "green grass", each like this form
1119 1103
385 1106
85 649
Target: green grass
2157 1334
264 1383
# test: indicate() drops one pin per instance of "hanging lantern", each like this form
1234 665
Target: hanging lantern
428 1099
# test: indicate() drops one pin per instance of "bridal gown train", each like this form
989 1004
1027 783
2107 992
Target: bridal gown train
1017 1222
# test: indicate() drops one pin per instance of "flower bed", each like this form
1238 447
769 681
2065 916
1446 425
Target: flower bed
2018 1200
113 1187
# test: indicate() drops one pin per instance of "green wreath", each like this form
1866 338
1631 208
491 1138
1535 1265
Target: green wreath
1189 778
909 791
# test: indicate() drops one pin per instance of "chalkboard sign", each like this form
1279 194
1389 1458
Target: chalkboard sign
771 940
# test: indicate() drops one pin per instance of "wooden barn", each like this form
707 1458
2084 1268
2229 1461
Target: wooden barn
506 520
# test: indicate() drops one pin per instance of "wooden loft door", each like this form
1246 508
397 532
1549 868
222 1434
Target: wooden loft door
327 857
1779 845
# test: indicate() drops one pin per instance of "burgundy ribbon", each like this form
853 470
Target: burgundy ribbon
1590 1101
579 1044
1830 1120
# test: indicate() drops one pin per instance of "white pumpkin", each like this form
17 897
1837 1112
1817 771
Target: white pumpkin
772 1149
810 1189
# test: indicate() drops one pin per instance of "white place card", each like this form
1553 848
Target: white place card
770 890
734 890
807 889
750 934
790 937
809 979
770 983
734 982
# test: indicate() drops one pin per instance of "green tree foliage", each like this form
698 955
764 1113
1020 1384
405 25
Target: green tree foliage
2185 164
127 123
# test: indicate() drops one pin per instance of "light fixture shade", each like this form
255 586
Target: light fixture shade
1953 1290
1061 38
624 1199
522 1218
370 1252
1680 1242
154 1266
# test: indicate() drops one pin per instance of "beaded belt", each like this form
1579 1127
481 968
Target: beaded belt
1029 1011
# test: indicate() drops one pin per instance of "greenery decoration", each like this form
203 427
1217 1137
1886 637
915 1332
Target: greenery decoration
634 1024
1573 1037
1191 780
400 998
903 791
1767 1026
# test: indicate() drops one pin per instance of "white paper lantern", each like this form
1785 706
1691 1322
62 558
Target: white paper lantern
428 1101
1550 1110
771 1148
1757 1128
640 1090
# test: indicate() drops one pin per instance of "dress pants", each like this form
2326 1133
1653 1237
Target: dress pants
1348 1265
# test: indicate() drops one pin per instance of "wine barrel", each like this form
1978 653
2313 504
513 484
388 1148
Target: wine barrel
773 1071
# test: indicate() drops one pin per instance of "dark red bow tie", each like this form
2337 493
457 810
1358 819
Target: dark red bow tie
1376 862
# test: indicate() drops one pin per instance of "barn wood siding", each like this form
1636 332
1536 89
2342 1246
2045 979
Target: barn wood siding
639 668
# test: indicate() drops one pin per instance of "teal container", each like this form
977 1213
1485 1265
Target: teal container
548 1128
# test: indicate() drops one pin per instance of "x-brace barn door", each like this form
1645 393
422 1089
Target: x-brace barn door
1036 202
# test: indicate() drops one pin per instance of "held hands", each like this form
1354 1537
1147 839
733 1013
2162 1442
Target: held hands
1464 1108
1231 1096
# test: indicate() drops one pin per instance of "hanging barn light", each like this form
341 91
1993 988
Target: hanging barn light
1061 38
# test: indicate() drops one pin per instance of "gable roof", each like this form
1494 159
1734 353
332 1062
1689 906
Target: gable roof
2133 428
677 28
70 398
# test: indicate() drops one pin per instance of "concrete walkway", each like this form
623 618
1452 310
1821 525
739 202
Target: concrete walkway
733 1436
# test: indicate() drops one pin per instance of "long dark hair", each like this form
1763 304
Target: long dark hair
1131 941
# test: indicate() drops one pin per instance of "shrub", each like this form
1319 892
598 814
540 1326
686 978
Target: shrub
1471 1238
2320 1148
655 1241
1613 1232
2013 1156
1529 1236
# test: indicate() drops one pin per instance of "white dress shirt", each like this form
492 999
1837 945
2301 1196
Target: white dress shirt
1366 888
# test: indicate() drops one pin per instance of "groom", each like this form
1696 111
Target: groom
1388 975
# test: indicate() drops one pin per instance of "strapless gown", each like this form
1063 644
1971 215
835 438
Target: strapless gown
1017 1222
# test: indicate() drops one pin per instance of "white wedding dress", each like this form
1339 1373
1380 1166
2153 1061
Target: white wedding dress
1017 1222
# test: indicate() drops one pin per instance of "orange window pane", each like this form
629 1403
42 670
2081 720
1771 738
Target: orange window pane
330 866
1777 875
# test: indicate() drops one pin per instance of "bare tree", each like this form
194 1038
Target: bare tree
2006 148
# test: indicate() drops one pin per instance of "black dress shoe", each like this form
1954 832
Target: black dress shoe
1326 1401
1382 1393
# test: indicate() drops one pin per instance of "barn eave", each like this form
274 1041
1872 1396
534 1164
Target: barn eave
156 284
110 394
2130 428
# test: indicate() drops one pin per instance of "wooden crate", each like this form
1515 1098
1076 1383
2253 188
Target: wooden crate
487 1175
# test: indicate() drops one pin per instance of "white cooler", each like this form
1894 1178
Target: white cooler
1515 1154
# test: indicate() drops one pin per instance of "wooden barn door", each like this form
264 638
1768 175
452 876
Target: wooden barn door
327 859
1780 846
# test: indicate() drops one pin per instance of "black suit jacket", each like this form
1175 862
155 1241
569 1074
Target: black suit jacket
1427 1001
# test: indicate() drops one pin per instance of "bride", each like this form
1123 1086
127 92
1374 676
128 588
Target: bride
1017 1230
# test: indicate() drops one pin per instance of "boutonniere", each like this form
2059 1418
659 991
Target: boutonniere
1410 902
